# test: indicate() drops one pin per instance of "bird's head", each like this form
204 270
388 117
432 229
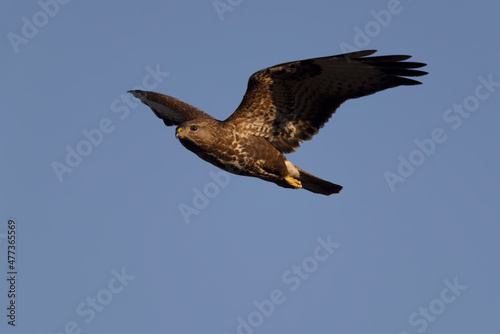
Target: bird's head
197 132
187 129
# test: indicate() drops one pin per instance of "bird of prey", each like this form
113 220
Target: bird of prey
283 106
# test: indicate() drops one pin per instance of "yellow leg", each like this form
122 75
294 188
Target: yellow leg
293 182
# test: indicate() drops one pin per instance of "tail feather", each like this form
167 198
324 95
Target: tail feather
317 185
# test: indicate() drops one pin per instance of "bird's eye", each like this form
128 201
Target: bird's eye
193 128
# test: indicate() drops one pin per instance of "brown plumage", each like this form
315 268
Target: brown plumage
283 106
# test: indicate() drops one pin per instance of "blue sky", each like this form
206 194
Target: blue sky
103 246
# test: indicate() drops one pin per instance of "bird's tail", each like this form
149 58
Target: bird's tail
317 185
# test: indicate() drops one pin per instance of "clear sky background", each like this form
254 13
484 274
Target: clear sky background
105 247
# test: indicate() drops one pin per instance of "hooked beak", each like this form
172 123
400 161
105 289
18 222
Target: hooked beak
179 133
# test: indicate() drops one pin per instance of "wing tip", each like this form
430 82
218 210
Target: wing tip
137 93
396 67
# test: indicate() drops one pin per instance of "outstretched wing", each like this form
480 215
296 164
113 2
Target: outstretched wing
171 110
289 103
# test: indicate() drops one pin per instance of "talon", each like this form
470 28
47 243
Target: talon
293 182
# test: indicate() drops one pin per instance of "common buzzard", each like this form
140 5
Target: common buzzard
283 106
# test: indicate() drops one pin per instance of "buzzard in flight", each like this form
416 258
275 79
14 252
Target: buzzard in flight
283 106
